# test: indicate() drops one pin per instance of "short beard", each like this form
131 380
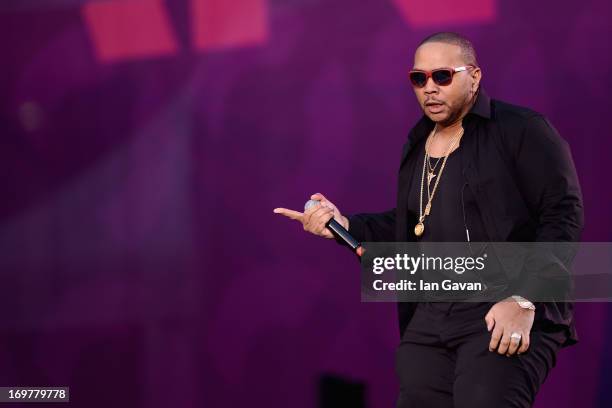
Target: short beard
453 117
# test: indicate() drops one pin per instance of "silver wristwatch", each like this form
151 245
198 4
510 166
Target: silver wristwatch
524 303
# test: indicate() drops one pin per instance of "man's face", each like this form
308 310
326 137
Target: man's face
445 104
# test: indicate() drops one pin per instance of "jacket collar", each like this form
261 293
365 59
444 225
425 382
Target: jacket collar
482 106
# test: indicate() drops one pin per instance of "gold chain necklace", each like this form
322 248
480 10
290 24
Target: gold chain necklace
431 168
420 227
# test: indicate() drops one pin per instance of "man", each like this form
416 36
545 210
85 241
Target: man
494 172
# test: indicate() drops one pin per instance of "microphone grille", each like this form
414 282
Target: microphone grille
310 204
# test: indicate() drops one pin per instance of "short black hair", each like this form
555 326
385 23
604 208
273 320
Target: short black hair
467 49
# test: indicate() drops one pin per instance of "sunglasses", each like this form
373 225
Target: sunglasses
441 76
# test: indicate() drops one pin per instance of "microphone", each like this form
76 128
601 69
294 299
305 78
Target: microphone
335 227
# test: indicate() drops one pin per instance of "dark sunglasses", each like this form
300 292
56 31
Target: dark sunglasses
441 76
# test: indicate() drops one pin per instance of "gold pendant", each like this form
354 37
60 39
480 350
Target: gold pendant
427 208
418 229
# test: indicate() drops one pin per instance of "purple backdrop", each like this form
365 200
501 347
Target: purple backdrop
144 144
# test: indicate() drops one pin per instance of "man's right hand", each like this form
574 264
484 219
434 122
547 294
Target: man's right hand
315 218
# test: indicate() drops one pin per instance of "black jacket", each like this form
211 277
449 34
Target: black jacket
522 176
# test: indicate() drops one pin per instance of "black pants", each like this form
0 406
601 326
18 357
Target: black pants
444 361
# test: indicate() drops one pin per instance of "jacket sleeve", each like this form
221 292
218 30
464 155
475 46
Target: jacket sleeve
549 183
372 227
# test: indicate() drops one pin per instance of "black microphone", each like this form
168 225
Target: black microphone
335 227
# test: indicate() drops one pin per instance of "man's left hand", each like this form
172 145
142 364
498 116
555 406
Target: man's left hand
507 317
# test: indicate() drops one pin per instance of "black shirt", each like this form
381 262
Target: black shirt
453 208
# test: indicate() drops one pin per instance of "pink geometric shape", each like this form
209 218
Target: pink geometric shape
126 29
228 23
422 14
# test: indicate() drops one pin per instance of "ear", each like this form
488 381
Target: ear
476 78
